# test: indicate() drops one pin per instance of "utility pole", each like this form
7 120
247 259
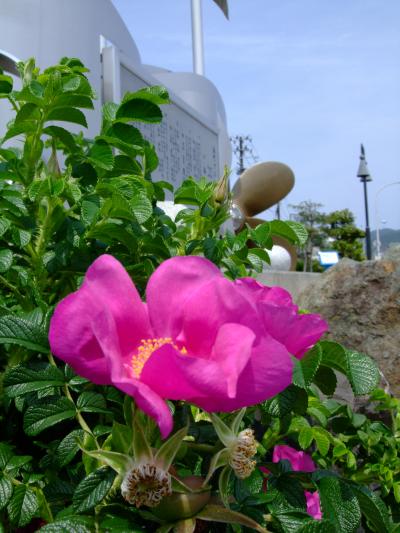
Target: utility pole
242 145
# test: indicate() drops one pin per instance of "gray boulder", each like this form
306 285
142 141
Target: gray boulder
361 303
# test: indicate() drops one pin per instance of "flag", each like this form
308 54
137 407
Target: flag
223 5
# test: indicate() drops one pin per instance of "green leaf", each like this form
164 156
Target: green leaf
339 504
21 379
325 379
322 439
21 237
91 402
22 506
100 155
17 330
89 212
62 135
362 372
5 454
292 231
373 508
68 114
6 260
306 368
93 489
68 447
306 437
156 94
139 109
281 404
141 207
4 225
6 84
67 525
6 490
317 526
46 413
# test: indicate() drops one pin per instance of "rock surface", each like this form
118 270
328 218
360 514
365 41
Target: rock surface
361 303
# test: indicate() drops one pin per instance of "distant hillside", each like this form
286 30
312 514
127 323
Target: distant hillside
387 237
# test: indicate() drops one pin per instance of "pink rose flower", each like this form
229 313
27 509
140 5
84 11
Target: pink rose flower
300 461
199 337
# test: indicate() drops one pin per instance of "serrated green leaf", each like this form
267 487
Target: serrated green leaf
21 237
281 404
91 402
6 84
322 440
6 490
325 379
89 212
362 372
68 114
62 135
306 368
6 260
339 504
292 231
17 330
21 380
317 526
68 447
22 506
4 225
100 155
67 525
93 489
141 207
306 437
46 413
156 94
373 508
6 452
139 109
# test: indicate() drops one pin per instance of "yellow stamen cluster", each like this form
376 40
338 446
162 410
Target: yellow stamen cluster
146 484
242 452
146 348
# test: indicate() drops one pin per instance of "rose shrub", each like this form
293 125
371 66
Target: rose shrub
160 334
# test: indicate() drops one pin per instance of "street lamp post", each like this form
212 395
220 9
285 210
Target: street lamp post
364 175
377 215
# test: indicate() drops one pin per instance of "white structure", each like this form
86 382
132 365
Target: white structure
191 140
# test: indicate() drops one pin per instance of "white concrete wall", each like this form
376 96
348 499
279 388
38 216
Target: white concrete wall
294 282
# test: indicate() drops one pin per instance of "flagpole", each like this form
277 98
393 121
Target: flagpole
197 38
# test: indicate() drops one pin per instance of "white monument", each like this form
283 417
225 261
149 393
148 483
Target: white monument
191 140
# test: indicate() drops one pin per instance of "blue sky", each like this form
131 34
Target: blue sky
309 80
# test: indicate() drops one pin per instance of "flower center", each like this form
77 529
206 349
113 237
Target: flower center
146 348
146 484
242 453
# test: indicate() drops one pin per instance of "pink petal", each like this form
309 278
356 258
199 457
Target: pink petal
299 460
106 286
262 293
207 310
268 372
297 332
184 377
313 504
170 286
122 376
